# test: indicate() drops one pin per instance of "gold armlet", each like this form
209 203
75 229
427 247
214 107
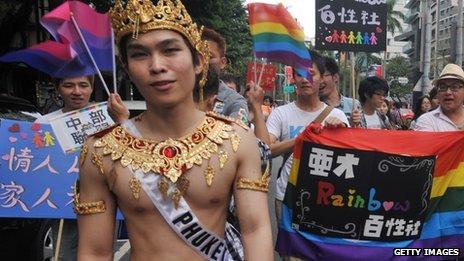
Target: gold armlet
87 208
261 184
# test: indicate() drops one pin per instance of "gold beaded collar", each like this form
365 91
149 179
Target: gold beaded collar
172 157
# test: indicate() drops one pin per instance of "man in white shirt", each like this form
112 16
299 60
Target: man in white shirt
449 116
372 91
286 122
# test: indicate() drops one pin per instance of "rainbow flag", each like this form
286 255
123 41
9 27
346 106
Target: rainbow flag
278 37
66 56
444 221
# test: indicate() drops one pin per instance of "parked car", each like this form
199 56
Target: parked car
23 239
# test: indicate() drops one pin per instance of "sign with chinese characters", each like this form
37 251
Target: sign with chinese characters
36 177
351 25
268 77
357 194
73 127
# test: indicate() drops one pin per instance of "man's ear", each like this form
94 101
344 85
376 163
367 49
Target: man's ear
223 62
336 78
199 66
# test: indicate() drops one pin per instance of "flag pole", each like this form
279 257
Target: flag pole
113 55
261 73
89 53
353 77
256 67
58 241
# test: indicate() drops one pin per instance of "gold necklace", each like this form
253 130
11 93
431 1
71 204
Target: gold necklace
171 158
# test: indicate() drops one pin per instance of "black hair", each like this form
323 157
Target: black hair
433 92
316 59
370 85
418 106
213 36
211 87
58 81
331 66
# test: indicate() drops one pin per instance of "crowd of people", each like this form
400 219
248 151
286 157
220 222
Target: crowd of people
192 150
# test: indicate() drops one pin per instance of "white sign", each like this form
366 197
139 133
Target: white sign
72 128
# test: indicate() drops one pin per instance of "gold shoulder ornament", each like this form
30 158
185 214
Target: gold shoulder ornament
86 208
170 158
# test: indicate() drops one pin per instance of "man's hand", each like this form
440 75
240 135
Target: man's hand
255 94
333 122
356 116
116 108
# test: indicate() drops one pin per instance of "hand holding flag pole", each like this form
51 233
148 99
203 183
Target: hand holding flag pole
89 53
261 73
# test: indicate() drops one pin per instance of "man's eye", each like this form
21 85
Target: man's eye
137 55
171 50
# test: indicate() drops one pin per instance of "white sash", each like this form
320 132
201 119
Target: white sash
182 220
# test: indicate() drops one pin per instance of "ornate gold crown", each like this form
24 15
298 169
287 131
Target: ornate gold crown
143 16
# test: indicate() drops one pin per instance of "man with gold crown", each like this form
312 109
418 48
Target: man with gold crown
173 169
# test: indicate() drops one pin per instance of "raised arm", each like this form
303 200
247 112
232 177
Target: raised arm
250 193
255 98
95 207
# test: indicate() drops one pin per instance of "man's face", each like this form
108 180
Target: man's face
160 64
450 94
329 84
376 99
217 60
304 87
75 92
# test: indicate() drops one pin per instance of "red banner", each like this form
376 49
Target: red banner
267 79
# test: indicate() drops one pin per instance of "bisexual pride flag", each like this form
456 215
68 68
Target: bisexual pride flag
278 37
359 194
66 56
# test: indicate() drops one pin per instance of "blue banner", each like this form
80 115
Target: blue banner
36 177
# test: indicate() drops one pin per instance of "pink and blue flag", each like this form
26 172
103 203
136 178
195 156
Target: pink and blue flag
66 56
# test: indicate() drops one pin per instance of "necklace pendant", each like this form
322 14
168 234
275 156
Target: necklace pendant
163 186
135 186
223 156
173 174
209 175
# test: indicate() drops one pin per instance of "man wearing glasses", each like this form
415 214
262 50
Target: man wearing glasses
328 90
372 92
449 116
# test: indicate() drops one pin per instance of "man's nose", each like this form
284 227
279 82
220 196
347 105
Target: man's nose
76 90
157 65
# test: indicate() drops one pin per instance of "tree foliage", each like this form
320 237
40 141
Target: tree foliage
394 17
399 67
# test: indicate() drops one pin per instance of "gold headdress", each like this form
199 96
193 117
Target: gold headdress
143 16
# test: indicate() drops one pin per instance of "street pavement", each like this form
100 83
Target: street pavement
122 247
